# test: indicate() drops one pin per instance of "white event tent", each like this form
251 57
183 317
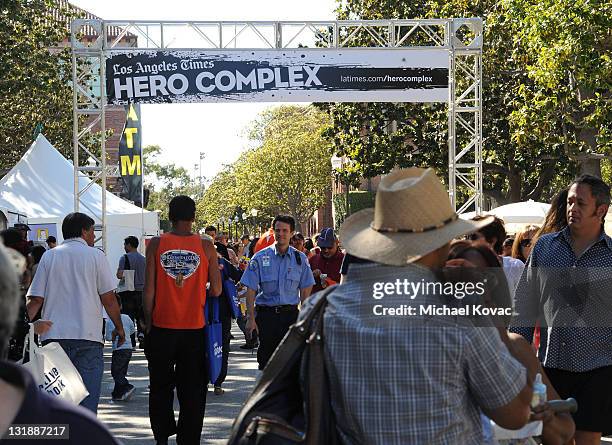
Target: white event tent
41 186
518 214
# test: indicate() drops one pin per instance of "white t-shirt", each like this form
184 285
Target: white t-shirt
128 327
71 279
513 269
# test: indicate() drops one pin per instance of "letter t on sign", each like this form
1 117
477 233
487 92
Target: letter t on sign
129 132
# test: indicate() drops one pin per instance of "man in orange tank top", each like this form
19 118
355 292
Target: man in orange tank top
179 265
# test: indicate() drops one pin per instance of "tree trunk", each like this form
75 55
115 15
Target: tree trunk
587 135
514 185
591 167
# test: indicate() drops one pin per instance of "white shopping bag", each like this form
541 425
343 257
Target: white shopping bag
53 371
503 436
126 284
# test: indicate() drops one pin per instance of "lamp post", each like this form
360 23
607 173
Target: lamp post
244 219
254 213
236 219
202 156
338 165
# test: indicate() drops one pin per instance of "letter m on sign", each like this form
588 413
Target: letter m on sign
130 165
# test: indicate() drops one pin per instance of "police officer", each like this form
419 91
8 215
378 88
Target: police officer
277 279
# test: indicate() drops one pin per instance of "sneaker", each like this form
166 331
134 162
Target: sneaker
218 390
249 345
126 395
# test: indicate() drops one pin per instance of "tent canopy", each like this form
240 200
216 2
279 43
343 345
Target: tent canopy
527 212
517 215
41 185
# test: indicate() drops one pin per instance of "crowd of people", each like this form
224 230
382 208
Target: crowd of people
402 377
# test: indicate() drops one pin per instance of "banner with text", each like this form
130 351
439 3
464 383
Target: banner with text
130 156
299 75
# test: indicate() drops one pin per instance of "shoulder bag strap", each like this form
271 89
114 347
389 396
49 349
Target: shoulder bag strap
298 258
318 415
294 340
126 263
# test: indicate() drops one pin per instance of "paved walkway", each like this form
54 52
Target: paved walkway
129 421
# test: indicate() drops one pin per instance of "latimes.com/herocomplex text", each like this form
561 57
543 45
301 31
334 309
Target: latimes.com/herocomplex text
412 289
387 78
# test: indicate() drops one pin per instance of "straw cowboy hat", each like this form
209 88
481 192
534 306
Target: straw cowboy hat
412 217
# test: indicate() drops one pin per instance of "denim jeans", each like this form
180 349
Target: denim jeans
87 357
119 368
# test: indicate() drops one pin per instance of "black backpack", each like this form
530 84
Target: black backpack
291 404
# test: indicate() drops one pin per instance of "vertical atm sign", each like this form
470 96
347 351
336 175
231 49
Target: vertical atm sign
130 159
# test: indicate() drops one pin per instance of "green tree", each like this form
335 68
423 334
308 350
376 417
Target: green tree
289 171
565 47
220 198
34 80
527 154
165 181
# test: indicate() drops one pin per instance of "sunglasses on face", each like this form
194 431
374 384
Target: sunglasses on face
525 242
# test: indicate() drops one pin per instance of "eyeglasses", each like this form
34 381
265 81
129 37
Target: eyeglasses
526 242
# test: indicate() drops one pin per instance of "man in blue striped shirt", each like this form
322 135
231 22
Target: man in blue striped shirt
566 287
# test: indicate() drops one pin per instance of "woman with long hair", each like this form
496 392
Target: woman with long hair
556 218
523 242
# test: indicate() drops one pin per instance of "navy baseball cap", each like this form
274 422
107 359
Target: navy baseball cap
327 238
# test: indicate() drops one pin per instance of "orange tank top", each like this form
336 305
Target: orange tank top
180 288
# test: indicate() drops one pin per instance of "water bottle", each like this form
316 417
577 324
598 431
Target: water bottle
539 391
323 280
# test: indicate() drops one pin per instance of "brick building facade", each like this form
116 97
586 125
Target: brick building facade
324 216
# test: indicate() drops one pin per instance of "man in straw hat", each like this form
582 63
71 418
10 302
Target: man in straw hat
397 376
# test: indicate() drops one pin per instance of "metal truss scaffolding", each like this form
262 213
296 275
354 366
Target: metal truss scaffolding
461 37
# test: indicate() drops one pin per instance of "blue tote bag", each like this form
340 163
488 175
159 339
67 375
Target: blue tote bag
214 338
230 292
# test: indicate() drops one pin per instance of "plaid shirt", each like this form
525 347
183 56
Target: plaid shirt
412 379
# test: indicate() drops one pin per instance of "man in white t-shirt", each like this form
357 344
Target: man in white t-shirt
72 284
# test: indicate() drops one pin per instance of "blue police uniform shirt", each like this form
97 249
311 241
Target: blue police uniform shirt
277 278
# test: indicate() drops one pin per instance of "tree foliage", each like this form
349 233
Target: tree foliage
220 198
537 121
165 181
288 172
565 48
34 81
